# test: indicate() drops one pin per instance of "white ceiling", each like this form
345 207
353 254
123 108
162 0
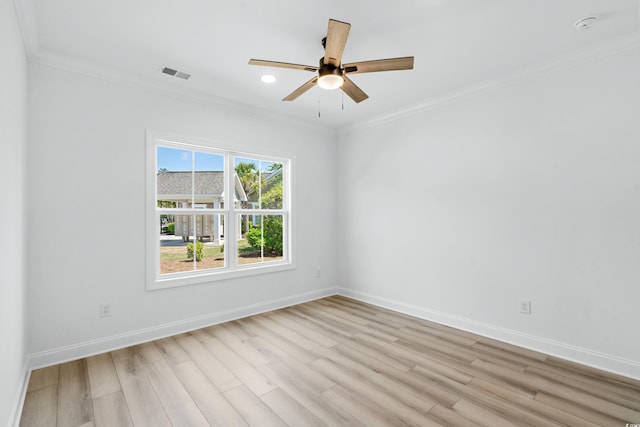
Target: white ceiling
459 45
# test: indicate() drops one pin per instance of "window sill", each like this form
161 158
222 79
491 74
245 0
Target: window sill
208 277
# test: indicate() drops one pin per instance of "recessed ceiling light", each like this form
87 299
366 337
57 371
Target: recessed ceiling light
268 78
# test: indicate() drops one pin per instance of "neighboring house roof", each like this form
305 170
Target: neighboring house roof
208 185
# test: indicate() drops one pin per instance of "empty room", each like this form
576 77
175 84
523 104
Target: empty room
298 213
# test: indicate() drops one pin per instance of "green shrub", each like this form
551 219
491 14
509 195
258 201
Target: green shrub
254 237
273 235
171 228
272 239
199 250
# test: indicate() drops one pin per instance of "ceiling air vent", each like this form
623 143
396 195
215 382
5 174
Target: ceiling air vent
175 73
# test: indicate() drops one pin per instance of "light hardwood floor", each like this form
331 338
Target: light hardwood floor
330 362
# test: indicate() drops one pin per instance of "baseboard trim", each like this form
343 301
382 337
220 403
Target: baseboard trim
102 345
606 362
14 419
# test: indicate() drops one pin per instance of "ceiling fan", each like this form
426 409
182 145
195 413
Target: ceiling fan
332 73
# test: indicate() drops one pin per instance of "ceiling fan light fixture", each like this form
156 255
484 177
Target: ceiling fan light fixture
330 82
330 78
331 74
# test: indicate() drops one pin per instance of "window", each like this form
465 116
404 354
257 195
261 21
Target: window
214 213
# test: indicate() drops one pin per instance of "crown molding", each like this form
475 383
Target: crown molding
25 13
26 17
184 94
614 47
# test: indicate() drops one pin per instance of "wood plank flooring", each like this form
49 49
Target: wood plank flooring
330 362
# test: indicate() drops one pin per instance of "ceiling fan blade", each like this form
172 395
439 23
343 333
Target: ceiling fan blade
337 34
354 92
302 89
276 64
391 64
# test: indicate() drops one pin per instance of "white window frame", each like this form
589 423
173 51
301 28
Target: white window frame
231 270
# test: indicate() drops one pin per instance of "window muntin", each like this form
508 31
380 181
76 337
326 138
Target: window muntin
202 238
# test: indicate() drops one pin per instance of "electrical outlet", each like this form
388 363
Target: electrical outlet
525 306
318 273
105 310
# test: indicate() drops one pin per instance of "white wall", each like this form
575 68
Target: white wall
528 191
13 141
87 214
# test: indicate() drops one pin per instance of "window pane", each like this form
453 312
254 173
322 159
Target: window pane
250 239
271 185
174 178
273 231
209 180
210 244
189 236
261 182
248 178
173 246
263 240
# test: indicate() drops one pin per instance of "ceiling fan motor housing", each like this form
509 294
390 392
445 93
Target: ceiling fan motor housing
325 69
